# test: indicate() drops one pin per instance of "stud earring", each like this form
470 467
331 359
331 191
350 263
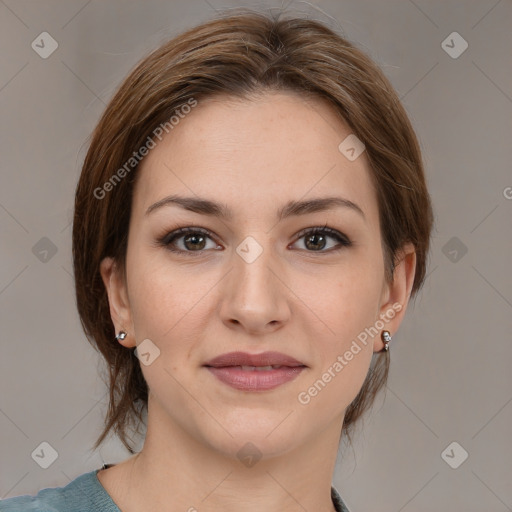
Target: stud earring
386 338
121 335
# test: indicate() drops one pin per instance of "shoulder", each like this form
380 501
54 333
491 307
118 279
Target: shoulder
83 494
339 504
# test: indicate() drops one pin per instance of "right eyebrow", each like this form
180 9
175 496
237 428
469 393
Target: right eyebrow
205 206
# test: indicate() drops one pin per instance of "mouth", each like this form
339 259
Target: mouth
255 372
254 368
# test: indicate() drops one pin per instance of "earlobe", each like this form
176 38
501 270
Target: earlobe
397 294
118 301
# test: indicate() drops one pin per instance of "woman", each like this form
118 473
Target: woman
251 222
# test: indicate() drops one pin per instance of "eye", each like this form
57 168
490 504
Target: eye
192 240
315 239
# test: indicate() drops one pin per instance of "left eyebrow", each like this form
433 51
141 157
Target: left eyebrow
208 207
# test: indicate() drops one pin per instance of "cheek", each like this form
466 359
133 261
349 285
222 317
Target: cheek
344 351
168 305
347 303
168 308
345 300
359 299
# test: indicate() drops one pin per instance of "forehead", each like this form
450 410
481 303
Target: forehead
261 151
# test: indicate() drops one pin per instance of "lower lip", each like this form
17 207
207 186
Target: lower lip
255 380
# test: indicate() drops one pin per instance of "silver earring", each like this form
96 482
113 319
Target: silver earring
386 338
121 335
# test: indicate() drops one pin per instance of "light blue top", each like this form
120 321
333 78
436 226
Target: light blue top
86 494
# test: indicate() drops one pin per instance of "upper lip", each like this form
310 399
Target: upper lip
246 359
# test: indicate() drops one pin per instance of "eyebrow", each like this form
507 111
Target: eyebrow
292 208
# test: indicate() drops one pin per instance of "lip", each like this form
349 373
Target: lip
246 359
228 369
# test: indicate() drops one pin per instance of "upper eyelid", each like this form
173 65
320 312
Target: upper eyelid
177 233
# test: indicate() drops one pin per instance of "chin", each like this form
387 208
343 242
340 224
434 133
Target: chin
250 447
267 435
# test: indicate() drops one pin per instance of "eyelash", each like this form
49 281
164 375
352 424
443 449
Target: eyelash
168 239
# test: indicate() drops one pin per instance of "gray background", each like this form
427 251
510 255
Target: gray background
450 377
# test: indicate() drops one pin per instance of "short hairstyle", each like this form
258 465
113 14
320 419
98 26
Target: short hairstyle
239 55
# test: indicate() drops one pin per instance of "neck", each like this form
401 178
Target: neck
175 471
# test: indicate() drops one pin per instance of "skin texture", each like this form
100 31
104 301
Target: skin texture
311 303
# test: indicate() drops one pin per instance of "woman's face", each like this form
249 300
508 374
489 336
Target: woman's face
255 279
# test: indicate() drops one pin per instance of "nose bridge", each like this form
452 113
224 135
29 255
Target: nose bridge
253 262
256 297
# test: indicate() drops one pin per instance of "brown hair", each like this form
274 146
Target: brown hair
239 55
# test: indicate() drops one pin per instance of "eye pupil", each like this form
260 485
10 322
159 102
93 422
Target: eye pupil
195 238
312 238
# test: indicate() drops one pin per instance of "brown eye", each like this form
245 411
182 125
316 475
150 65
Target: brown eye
187 240
316 239
195 240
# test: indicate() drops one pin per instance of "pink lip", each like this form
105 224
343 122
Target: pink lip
227 368
255 380
246 359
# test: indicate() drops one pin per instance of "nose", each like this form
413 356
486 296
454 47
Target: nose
255 298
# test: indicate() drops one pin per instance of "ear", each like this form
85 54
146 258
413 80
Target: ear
396 295
120 311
